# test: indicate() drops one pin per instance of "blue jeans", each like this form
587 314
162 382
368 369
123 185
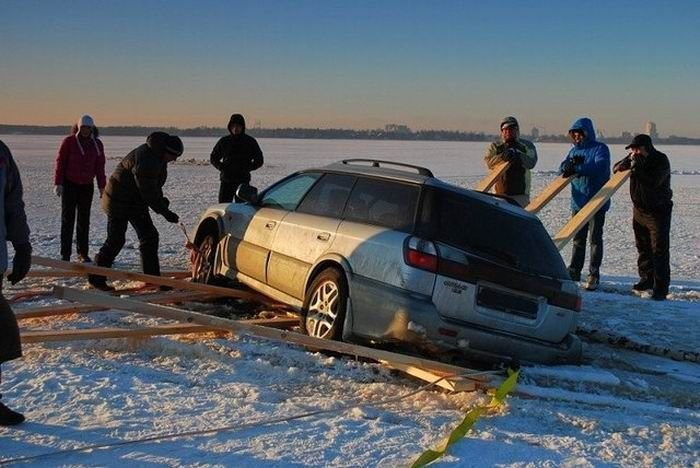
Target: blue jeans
578 253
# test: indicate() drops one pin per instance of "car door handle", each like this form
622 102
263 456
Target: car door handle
324 236
270 224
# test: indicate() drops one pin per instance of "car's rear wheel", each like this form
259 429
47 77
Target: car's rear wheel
324 307
203 260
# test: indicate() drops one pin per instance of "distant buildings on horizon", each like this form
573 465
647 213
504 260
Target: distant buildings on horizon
392 131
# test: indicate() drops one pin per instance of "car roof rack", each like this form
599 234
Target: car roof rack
379 163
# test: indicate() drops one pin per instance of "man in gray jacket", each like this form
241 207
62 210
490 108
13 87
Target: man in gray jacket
522 155
13 228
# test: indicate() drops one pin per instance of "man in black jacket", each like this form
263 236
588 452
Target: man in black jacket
650 190
235 156
135 186
13 228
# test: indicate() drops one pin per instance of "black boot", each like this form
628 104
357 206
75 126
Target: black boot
98 281
9 417
643 285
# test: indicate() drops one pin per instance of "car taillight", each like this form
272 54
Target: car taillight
420 253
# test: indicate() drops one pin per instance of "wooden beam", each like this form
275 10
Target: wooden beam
448 383
256 330
53 310
87 268
549 192
52 273
41 336
587 212
490 180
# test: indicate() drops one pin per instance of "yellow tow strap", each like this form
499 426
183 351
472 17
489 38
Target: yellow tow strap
472 416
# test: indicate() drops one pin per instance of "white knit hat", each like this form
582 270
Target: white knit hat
86 121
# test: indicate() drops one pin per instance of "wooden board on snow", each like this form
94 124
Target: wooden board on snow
160 280
258 331
41 336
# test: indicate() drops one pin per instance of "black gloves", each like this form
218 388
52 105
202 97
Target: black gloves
21 263
623 164
171 217
568 169
510 154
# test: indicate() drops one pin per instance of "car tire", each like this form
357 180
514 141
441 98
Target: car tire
325 303
203 260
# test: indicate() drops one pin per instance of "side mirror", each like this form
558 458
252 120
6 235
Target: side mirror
247 193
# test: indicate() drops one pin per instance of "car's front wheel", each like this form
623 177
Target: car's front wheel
324 307
203 260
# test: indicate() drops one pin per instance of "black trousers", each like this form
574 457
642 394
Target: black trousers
652 234
10 344
116 237
578 252
227 191
76 198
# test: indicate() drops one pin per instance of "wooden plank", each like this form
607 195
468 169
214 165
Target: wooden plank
585 214
52 273
256 330
448 383
87 268
42 336
549 192
490 180
52 311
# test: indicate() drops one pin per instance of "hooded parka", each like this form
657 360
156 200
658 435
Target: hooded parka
137 182
13 228
591 174
235 156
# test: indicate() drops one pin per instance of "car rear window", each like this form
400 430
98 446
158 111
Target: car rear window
482 229
383 203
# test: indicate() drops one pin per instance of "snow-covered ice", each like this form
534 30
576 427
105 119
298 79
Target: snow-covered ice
619 408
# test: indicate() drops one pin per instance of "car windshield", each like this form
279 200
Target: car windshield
491 232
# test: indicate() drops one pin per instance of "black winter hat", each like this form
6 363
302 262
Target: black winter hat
174 146
163 143
236 119
640 140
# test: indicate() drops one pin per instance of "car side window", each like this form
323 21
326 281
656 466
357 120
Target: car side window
383 203
288 193
328 196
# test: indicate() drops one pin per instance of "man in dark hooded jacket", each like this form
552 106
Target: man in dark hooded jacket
588 162
135 186
13 228
650 190
235 156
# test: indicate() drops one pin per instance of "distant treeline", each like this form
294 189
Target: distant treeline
321 133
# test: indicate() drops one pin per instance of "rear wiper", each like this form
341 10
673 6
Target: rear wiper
497 254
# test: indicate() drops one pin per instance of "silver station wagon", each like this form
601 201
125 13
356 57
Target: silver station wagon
385 253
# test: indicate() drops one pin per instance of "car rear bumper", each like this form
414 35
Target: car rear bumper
383 313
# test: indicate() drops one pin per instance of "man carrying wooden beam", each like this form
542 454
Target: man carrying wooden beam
650 190
13 228
588 162
522 156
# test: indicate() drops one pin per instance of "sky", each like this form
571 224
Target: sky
353 64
